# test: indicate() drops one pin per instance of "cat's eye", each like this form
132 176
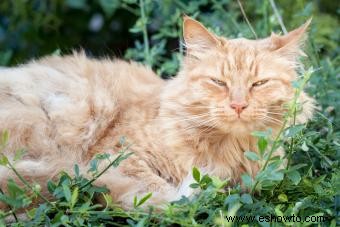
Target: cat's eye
259 83
219 82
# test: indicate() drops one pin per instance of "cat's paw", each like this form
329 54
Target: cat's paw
184 189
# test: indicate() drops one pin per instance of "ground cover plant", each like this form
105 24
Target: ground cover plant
308 186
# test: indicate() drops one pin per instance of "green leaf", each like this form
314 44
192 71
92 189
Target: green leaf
196 174
272 172
76 4
93 165
283 197
108 199
103 156
51 186
144 199
57 217
15 202
262 144
232 199
109 6
194 185
13 189
3 160
205 181
251 155
263 134
296 167
304 146
16 196
246 198
218 183
120 158
67 192
233 208
294 176
76 170
64 220
278 212
135 201
31 213
294 130
95 189
247 180
74 197
141 222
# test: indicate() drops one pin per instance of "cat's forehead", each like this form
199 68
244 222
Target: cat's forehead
246 55
241 59
240 55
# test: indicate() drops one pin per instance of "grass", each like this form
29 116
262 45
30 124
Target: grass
309 186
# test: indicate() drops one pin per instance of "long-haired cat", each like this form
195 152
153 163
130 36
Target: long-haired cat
65 110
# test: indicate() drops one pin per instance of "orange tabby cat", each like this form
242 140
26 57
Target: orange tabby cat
64 110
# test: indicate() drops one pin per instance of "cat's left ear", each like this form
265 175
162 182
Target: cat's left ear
197 38
290 45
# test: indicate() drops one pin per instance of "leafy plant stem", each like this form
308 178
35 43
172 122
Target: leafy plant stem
11 167
291 113
278 16
246 18
102 172
130 9
273 148
145 33
12 210
291 145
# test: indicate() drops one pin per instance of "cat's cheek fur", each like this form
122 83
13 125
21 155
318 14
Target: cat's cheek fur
308 107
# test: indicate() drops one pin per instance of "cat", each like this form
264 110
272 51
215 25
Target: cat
65 110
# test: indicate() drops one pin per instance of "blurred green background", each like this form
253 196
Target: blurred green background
150 31
31 28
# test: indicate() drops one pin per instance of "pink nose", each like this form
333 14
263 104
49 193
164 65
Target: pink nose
238 106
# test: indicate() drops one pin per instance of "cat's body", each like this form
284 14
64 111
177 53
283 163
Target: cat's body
65 110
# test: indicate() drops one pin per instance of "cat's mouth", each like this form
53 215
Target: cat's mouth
241 118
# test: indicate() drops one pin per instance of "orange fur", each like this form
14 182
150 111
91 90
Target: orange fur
64 110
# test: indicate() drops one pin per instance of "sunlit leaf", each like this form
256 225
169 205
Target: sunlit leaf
196 174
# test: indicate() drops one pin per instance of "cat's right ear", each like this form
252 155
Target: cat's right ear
289 45
197 38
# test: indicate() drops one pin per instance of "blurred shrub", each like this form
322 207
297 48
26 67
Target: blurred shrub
31 28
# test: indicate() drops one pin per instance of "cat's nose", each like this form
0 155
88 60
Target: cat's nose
238 106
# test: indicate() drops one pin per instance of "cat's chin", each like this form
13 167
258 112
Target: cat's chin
242 128
238 127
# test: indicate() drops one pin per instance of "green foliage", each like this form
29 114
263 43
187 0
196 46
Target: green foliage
73 197
150 32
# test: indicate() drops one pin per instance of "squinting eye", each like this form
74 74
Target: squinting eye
259 83
219 82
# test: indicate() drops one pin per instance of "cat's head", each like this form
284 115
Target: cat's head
235 85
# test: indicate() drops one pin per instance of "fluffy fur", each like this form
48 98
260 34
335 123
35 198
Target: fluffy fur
65 110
